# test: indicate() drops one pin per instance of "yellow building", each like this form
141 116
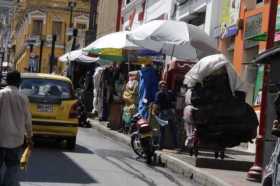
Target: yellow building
37 20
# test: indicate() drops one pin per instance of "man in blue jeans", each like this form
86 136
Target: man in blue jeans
15 123
164 106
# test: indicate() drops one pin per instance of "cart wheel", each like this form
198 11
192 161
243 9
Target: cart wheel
196 152
191 151
222 155
216 155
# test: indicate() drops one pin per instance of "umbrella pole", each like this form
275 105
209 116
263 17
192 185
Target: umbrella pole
165 66
128 64
128 54
173 51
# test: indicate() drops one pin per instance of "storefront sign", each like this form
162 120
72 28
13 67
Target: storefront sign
252 28
229 18
229 31
277 28
262 36
230 12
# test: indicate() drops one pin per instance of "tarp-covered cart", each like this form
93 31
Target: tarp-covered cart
216 115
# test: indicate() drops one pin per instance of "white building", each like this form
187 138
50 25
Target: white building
158 9
7 8
137 12
202 13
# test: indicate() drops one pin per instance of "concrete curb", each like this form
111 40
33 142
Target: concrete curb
189 171
172 163
102 127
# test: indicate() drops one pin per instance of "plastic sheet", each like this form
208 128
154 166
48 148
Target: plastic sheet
206 66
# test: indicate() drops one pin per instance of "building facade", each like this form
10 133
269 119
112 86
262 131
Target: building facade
35 23
7 8
243 41
108 18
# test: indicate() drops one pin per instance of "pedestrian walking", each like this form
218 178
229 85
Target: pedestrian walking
164 107
15 123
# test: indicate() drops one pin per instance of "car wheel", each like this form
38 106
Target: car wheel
71 143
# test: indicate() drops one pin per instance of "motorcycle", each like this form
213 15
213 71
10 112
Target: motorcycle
144 140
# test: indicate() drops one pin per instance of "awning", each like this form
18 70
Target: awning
77 55
266 56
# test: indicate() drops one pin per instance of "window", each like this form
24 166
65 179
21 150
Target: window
37 27
81 26
128 1
259 1
57 29
198 19
48 89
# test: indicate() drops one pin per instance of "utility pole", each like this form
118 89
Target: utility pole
255 172
52 58
2 56
75 34
9 55
92 30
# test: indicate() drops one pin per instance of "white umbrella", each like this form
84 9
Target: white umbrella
174 38
77 55
116 40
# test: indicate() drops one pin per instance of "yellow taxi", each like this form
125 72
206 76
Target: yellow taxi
53 106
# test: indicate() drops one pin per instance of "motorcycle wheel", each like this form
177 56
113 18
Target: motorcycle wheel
136 145
147 145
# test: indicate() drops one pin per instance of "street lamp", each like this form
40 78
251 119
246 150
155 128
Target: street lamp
42 41
9 54
71 4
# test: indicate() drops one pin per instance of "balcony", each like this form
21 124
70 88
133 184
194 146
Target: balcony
35 39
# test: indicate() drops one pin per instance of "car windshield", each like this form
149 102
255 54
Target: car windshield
46 88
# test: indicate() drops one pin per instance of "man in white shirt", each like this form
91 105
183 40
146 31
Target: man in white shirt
15 123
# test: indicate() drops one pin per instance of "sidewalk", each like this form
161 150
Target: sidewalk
204 170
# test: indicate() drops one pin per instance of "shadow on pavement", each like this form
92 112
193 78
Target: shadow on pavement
80 149
59 145
122 156
54 166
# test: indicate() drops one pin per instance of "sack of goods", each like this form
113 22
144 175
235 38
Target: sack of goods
221 116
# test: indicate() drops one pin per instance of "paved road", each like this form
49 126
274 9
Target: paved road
98 160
